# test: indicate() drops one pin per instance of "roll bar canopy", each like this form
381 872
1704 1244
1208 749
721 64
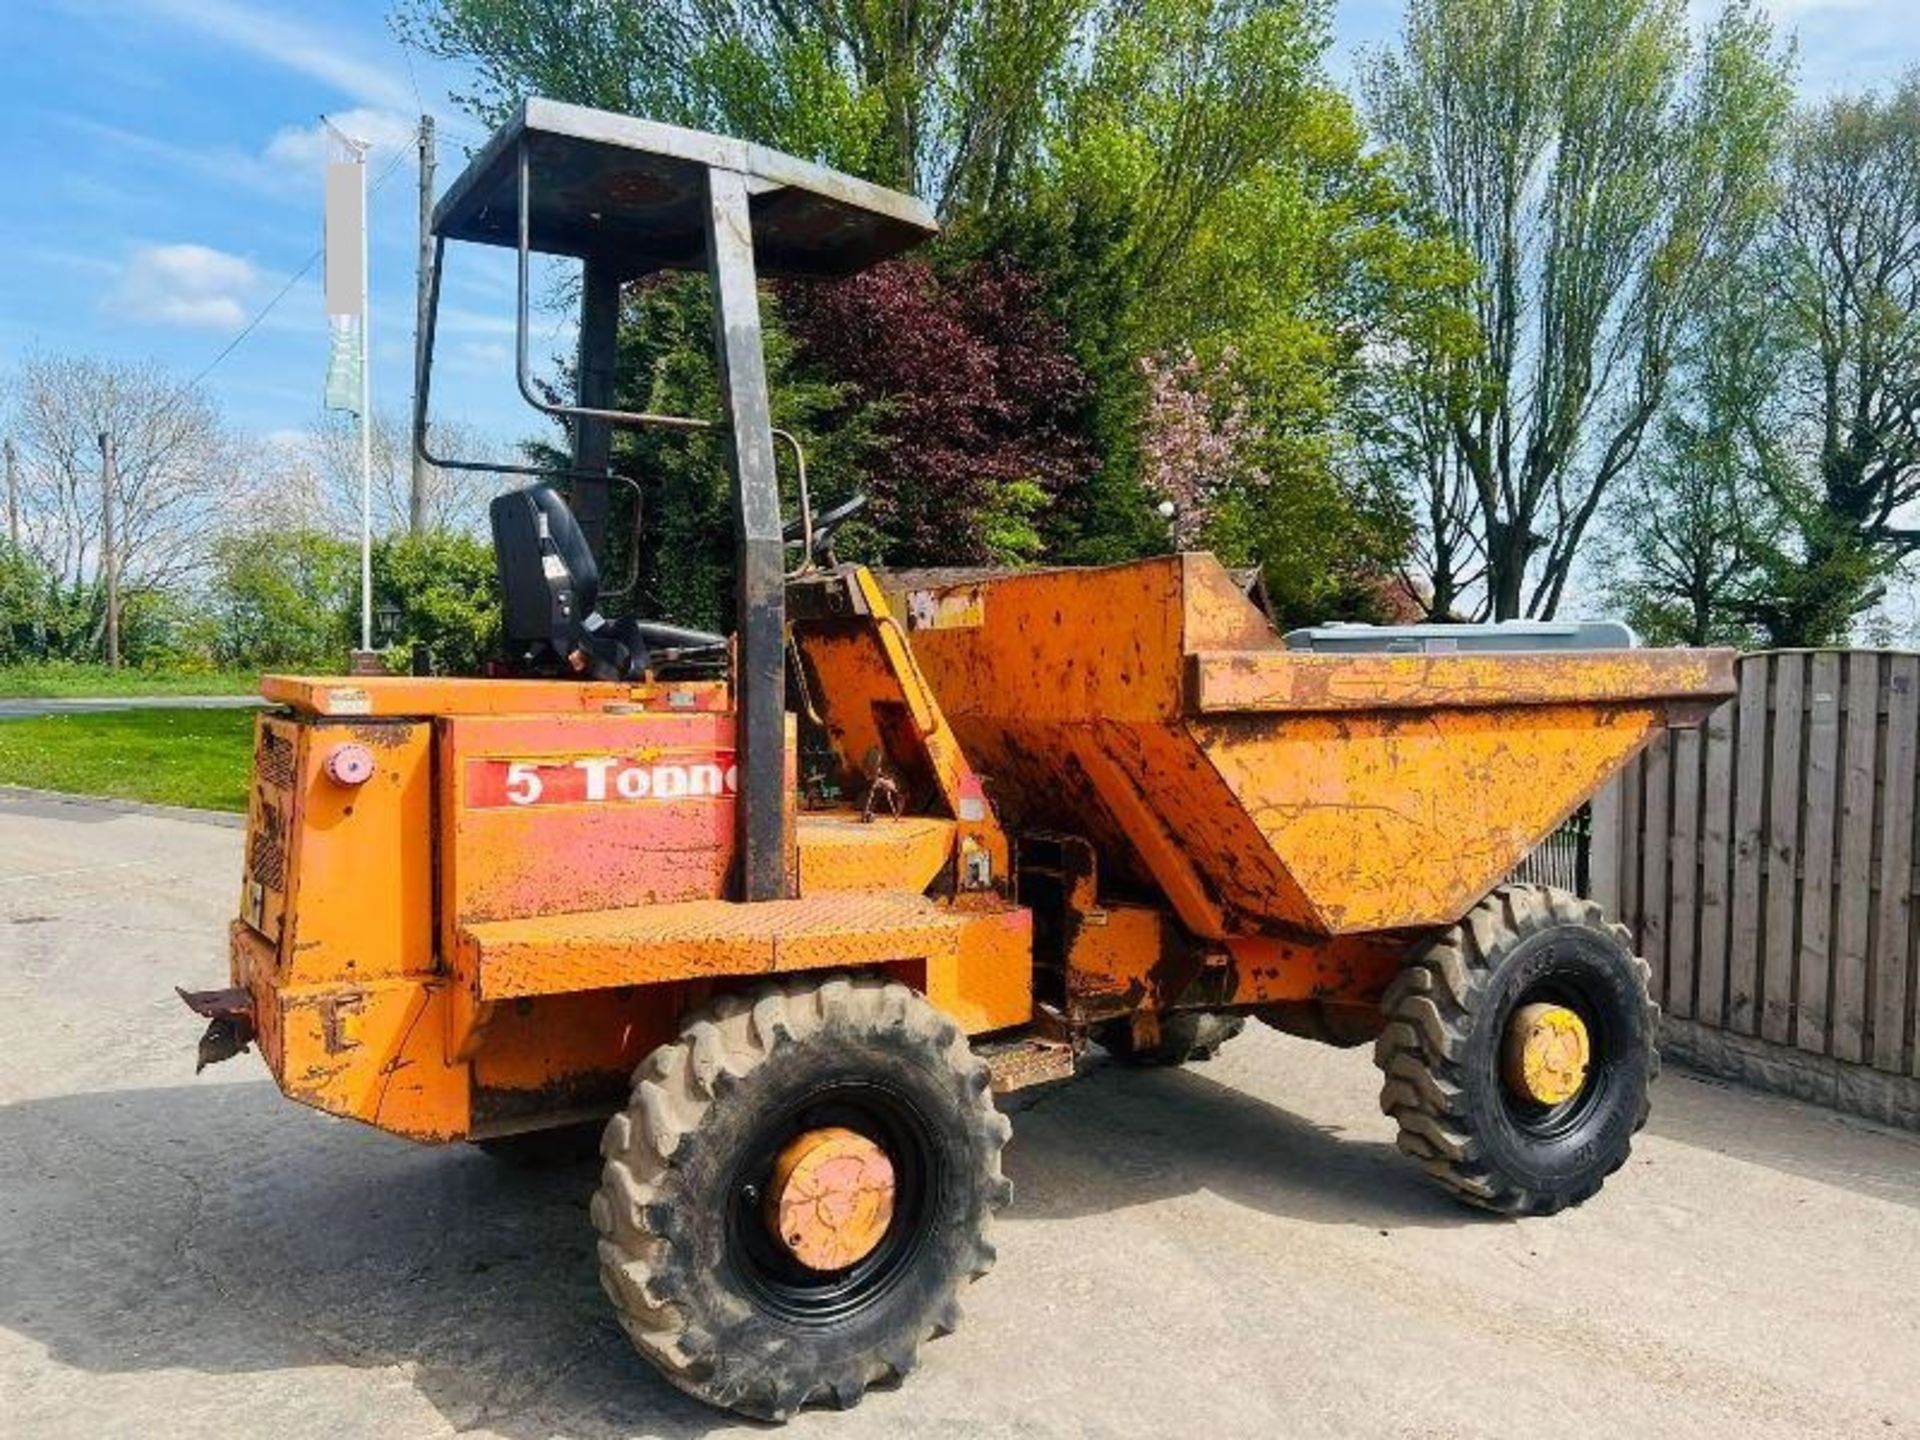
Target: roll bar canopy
629 197
630 194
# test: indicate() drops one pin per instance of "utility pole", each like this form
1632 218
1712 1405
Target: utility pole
13 497
422 477
109 556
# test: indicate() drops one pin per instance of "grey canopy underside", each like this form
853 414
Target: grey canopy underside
630 194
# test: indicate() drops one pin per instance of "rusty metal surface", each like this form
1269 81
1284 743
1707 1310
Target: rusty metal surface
1545 1053
229 1016
877 706
403 696
1405 818
374 1051
535 819
638 945
764 815
630 191
974 964
338 877
1288 682
830 1198
1150 707
839 850
1019 1063
214 1004
487 811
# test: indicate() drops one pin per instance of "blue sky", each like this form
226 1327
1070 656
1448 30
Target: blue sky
164 160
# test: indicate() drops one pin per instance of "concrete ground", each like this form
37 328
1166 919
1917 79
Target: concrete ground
1231 1250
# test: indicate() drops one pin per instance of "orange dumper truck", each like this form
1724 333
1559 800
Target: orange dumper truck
779 912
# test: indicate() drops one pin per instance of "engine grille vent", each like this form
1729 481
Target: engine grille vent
267 851
273 761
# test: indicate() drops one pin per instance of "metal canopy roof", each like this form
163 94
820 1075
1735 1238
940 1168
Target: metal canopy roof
630 193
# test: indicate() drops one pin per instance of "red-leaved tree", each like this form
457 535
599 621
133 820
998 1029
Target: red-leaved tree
981 398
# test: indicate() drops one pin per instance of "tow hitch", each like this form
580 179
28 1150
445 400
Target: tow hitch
229 1023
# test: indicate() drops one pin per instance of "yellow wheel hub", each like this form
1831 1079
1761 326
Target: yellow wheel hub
1547 1053
831 1199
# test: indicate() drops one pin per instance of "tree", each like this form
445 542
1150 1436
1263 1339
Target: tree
447 596
175 466
1841 269
1692 546
670 531
969 380
317 478
940 97
1174 176
1204 199
24 593
281 597
1605 176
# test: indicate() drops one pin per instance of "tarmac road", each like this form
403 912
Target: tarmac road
1230 1250
21 709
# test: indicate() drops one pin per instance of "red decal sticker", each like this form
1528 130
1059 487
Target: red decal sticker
600 779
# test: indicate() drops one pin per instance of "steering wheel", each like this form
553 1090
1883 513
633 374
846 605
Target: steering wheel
824 526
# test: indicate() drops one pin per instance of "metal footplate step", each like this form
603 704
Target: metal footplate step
1015 1064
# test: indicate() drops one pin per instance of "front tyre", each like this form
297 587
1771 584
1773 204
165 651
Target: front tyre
804 1181
1518 1049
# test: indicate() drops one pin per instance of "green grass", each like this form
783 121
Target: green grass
61 682
168 757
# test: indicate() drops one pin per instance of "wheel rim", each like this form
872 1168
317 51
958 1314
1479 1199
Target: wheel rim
1554 1059
1546 1054
832 1273
831 1197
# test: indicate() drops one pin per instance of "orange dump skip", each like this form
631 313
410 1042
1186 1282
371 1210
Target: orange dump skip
1151 708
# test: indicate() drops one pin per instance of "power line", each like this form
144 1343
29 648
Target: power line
254 324
286 289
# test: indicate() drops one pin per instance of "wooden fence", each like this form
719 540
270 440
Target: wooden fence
1768 860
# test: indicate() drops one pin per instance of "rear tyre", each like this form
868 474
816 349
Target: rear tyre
705 1284
1189 1036
1455 1052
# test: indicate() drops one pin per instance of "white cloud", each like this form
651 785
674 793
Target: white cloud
288 165
191 286
222 163
303 149
306 50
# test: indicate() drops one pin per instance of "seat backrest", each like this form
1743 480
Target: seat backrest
548 579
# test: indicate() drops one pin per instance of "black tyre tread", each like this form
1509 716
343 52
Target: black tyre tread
1429 1009
718 1046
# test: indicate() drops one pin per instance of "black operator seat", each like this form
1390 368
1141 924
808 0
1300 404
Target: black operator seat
550 595
550 592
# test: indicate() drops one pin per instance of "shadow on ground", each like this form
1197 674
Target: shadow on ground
214 1227
1119 1137
217 1228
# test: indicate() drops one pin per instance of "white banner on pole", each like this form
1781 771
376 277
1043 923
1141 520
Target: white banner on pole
346 214
346 277
344 347
349 387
